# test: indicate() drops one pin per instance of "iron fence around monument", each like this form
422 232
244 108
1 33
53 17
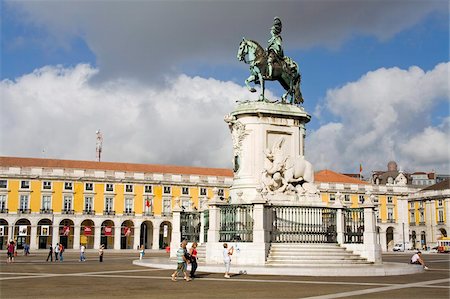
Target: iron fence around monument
296 224
190 226
236 223
354 225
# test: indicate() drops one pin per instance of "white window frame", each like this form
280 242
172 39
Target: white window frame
412 215
183 189
201 191
390 214
6 184
221 192
3 201
129 188
46 185
91 208
109 207
332 197
169 188
421 217
440 215
68 186
67 199
128 208
45 206
390 199
22 198
25 182
85 187
347 198
109 189
167 205
146 187
361 198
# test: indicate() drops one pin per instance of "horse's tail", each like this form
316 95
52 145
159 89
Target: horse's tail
298 98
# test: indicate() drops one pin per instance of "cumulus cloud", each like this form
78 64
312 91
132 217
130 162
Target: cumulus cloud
386 115
58 110
143 39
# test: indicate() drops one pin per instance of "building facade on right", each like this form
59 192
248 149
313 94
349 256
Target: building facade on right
429 215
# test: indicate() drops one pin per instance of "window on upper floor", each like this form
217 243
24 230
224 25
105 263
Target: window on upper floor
412 216
2 202
411 205
203 191
167 190
420 204
361 198
148 189
390 214
347 197
67 203
68 186
128 205
185 190
421 217
24 184
88 204
440 203
441 216
109 204
389 199
109 187
167 205
129 188
88 186
47 185
46 202
24 202
3 184
376 199
332 196
220 192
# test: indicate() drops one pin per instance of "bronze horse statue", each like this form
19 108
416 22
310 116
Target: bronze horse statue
284 71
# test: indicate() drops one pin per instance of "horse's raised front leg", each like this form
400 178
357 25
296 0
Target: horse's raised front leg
251 78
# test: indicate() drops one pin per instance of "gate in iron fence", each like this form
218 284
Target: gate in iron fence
190 226
206 225
354 225
294 224
236 223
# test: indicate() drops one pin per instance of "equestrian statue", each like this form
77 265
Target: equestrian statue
271 65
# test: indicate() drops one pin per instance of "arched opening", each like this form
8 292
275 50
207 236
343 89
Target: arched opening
44 232
107 235
127 235
146 237
390 237
22 232
423 240
87 233
3 233
413 239
66 233
165 234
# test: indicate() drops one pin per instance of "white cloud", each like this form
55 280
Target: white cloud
143 39
59 109
385 115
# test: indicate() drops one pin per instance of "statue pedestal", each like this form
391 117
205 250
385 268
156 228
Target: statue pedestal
268 148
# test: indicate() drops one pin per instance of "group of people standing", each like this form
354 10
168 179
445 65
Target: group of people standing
58 251
185 257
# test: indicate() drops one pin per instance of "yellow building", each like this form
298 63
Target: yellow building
391 209
121 205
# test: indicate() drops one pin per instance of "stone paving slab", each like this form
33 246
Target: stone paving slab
384 269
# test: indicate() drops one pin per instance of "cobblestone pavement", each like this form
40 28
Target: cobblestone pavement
32 277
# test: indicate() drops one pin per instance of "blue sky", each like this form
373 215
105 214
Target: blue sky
148 53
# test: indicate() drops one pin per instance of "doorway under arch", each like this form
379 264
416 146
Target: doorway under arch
87 233
165 234
107 234
44 233
127 235
22 232
389 237
146 237
66 233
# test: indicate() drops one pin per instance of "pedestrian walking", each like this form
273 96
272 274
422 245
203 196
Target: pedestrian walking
82 253
100 253
50 253
56 251
141 252
61 251
227 253
193 254
181 262
10 252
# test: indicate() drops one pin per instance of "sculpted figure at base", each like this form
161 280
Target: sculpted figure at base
284 174
271 65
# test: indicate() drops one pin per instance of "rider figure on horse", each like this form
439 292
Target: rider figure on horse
274 48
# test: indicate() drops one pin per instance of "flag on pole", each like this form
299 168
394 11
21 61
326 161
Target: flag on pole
148 203
360 167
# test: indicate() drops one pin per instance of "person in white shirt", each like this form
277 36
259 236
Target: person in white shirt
82 251
417 259
227 253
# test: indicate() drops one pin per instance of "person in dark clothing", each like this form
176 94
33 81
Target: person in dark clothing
50 254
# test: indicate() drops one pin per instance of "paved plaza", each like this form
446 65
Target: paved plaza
117 277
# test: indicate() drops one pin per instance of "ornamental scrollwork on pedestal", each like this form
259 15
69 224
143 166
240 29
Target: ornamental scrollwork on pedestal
238 134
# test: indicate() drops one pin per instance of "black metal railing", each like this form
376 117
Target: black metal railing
295 224
4 211
147 213
24 211
354 225
236 223
128 213
46 211
108 212
190 226
88 212
69 212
